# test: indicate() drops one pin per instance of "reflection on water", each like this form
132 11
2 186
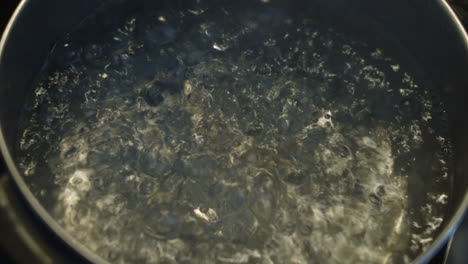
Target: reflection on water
235 136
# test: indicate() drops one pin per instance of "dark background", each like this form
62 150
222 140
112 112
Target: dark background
6 9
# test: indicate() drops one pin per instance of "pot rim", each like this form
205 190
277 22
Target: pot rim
456 219
445 234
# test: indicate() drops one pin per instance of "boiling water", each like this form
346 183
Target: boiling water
213 136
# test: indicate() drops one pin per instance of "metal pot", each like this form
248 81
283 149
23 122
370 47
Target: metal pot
428 30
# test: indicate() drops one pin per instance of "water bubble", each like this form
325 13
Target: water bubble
230 200
94 54
130 26
254 128
153 165
380 190
238 228
220 47
160 35
146 187
192 230
161 223
343 151
153 96
306 228
295 178
373 198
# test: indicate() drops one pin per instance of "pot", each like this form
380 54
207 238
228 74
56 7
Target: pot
425 37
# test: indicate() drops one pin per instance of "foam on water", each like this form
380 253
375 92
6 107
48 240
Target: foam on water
248 137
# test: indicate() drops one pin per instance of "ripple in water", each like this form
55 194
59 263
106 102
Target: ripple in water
212 135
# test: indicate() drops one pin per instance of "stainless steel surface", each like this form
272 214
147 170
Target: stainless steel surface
19 239
428 30
457 251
